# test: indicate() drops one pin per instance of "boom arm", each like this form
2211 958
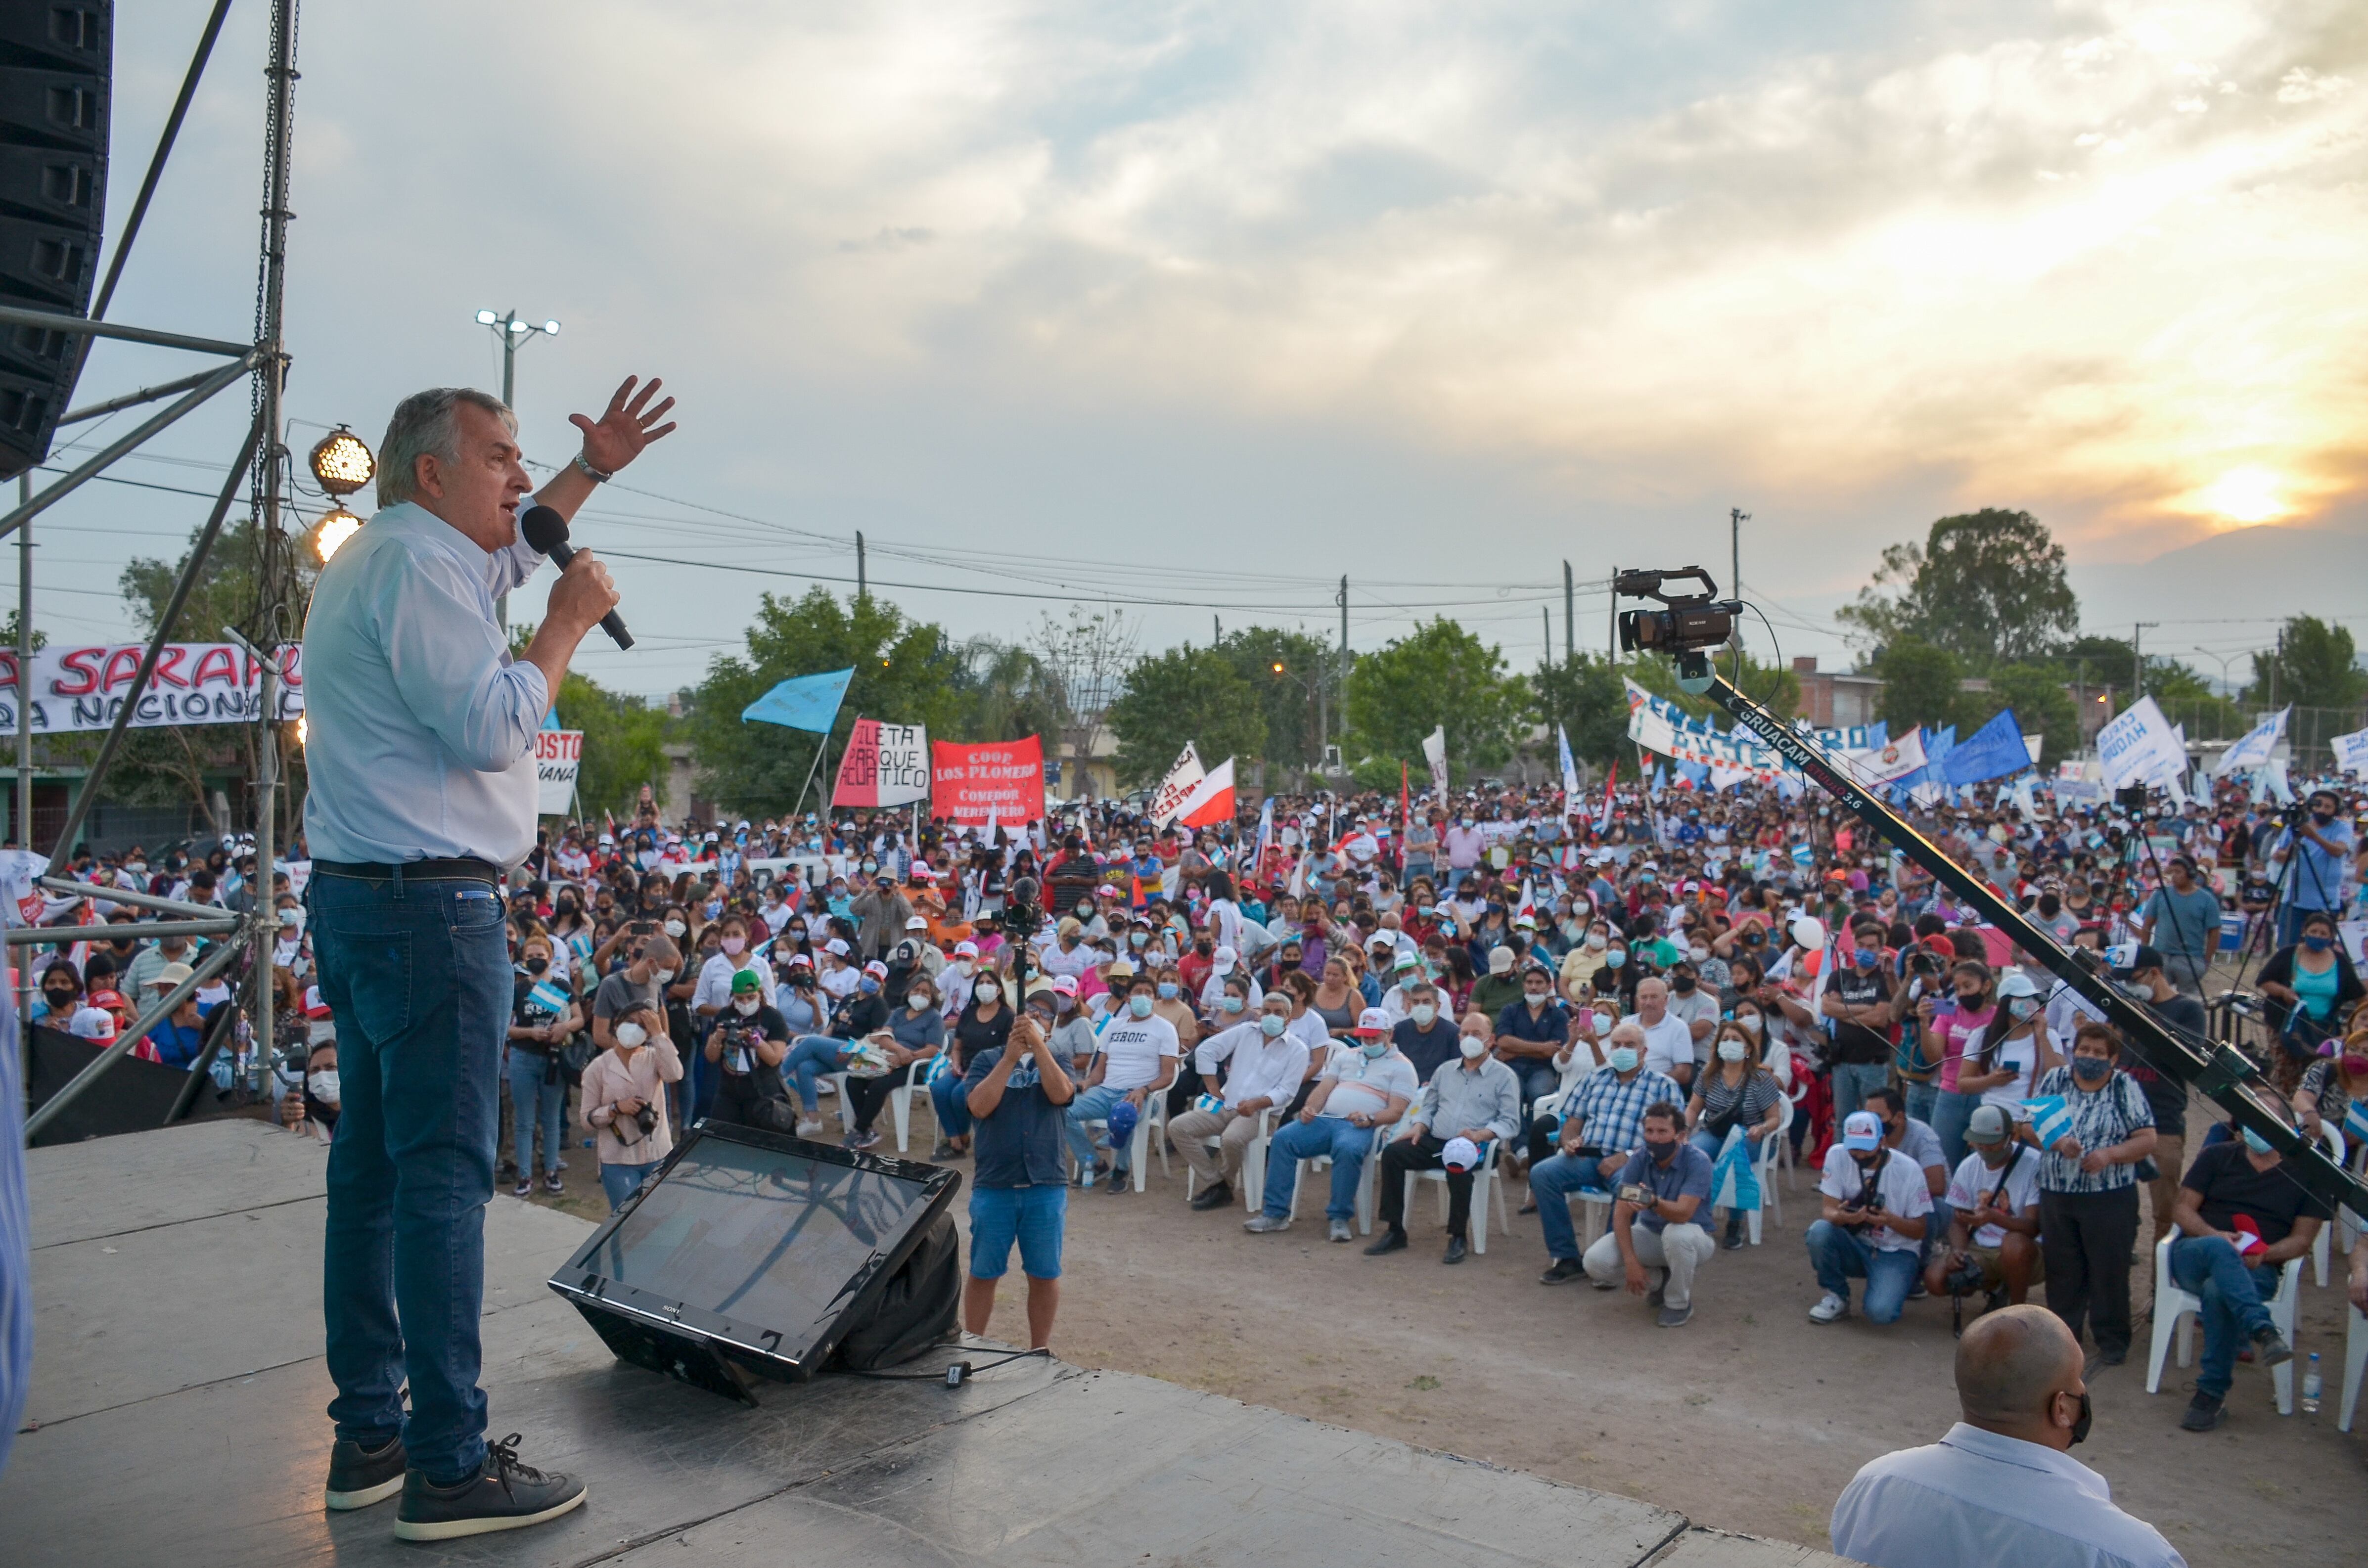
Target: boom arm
2223 1075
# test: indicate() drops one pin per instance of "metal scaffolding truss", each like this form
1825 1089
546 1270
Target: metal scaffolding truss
263 455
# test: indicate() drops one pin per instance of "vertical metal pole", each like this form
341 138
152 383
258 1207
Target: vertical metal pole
263 919
510 385
1545 622
24 724
1569 610
862 588
1611 618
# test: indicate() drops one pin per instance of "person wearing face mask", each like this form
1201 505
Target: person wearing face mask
1875 1207
1991 1213
625 1101
1263 1063
1734 1091
2312 987
543 1017
1477 1100
730 958
1365 1084
321 1095
1951 1024
2316 853
1169 992
2013 1048
1694 1005
1581 1144
2240 1218
1530 1033
642 983
743 1048
2088 1189
880 912
1860 1005
1655 1221
1425 1036
1999 1487
983 1023
1137 1058
914 1034
61 994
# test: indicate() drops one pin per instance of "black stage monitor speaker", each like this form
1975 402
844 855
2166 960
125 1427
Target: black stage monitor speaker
750 1252
56 59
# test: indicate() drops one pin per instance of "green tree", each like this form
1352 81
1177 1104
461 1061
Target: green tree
1921 685
1185 694
1987 586
2313 666
1583 694
1439 675
2035 692
624 744
1005 689
1286 696
905 672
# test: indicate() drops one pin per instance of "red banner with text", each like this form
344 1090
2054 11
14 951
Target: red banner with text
1003 780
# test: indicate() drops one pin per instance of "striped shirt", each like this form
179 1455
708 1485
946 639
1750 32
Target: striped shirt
1610 1113
2101 1119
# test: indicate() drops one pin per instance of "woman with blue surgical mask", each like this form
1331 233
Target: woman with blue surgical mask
2089 1187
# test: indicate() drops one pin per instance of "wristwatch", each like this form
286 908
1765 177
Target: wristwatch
594 474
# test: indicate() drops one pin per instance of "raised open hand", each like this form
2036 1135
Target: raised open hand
628 425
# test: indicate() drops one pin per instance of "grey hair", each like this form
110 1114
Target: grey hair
427 425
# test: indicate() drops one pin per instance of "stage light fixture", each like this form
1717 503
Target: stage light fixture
335 526
343 464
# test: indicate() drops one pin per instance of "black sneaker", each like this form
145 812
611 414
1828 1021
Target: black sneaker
2203 1413
1121 1179
2269 1347
1392 1239
551 1183
359 1477
523 1188
1564 1271
508 1496
1215 1197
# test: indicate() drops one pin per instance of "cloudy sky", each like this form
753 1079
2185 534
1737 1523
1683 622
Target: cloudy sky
1194 308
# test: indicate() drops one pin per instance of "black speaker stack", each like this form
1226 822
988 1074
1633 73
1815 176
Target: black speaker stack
56 61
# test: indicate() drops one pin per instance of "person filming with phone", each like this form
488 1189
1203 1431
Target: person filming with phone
1017 1096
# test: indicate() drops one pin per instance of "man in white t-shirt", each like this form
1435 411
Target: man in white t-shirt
1994 1212
1875 1205
1135 1057
1668 1040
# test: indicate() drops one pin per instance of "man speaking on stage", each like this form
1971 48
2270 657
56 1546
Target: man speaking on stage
421 754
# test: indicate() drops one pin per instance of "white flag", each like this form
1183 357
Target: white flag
1177 788
1569 772
1434 751
2352 753
2255 748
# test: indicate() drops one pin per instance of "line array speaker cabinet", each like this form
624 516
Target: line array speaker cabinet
56 61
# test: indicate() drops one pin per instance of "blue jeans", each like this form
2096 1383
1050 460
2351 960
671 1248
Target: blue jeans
2208 1269
1094 1105
809 1061
417 975
954 1107
1348 1147
1552 1180
1851 1082
1033 1217
1841 1256
1951 1112
1417 868
1920 1099
620 1182
534 1102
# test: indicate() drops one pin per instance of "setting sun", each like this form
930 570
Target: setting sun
2245 496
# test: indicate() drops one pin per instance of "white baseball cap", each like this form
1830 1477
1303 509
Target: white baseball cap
836 947
1460 1154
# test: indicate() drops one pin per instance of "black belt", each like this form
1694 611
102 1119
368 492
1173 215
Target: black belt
458 867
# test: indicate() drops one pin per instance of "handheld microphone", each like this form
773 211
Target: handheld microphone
546 530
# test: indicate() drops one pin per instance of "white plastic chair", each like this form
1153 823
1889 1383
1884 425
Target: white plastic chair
2355 1362
900 1103
1253 1162
1139 1147
1365 1178
2321 1243
2173 1309
1484 1185
1763 1168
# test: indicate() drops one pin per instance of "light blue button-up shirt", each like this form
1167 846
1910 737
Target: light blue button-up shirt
421 726
1977 1499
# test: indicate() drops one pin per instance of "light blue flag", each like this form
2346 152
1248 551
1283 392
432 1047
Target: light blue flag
551 996
2051 1119
808 702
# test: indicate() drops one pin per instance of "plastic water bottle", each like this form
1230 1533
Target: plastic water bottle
2310 1387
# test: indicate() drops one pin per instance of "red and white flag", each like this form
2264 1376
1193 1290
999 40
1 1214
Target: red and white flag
1212 800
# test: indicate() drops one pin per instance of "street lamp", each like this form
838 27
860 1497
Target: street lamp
512 331
1323 719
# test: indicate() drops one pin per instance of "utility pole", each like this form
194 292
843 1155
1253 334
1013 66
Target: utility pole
510 330
1611 618
1545 620
1569 610
2137 660
1216 631
863 590
1344 654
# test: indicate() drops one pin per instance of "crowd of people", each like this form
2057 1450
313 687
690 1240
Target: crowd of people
1630 1004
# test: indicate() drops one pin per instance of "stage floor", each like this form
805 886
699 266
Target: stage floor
176 1417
